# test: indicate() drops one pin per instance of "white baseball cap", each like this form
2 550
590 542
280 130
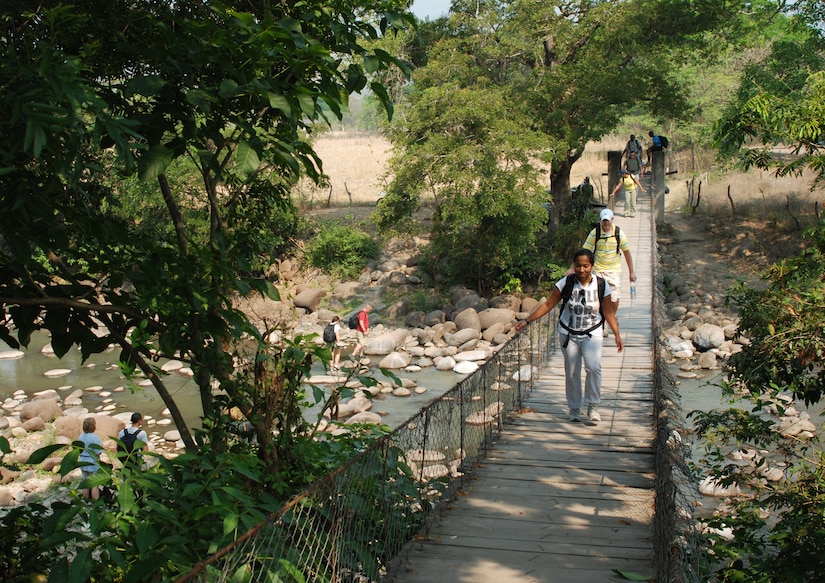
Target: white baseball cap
606 215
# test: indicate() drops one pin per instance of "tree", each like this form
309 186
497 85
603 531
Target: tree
91 90
781 101
544 79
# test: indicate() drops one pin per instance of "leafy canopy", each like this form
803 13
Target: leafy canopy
503 103
208 103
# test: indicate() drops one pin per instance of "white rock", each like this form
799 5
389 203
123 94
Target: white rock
424 456
712 487
172 435
445 363
171 366
525 373
365 417
57 372
465 367
472 355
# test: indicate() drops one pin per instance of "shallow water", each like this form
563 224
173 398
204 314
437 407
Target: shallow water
27 374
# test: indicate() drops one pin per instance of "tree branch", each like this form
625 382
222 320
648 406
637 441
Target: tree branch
50 301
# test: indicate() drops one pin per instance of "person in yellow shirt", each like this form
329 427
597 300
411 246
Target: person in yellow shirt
630 183
608 243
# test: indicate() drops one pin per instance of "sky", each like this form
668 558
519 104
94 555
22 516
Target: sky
431 9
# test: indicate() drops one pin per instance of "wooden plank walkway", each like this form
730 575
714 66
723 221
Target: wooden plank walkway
557 501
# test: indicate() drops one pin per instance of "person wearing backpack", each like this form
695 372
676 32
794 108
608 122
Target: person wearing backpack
608 243
634 146
630 181
128 451
332 336
361 330
585 309
658 144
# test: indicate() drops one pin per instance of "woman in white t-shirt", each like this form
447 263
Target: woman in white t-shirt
581 333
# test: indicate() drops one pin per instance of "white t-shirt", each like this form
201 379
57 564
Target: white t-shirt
141 435
582 310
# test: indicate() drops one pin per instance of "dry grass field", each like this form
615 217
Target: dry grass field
357 169
357 166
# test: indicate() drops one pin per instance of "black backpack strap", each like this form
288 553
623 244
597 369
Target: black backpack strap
616 233
567 291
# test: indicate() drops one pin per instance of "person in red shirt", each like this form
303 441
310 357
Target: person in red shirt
361 331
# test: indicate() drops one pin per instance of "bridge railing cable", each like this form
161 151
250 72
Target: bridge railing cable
350 525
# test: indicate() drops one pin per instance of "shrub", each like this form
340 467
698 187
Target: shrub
341 250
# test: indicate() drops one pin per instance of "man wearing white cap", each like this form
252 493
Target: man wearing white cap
608 242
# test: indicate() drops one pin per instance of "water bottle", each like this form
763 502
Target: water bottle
632 290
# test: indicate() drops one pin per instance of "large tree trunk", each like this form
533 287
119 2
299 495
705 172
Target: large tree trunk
560 187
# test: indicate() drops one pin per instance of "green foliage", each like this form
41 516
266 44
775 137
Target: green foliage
508 91
342 250
166 517
190 98
784 324
781 101
778 527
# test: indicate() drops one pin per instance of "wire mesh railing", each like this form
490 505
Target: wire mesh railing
676 540
348 527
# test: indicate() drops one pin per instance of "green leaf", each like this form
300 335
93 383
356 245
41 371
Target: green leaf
81 566
247 158
292 571
146 537
228 88
154 162
230 523
280 102
126 497
70 460
307 104
38 455
200 99
372 63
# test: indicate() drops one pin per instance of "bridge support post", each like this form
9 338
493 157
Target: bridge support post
658 185
614 166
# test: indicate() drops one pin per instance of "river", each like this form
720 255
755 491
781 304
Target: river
101 370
